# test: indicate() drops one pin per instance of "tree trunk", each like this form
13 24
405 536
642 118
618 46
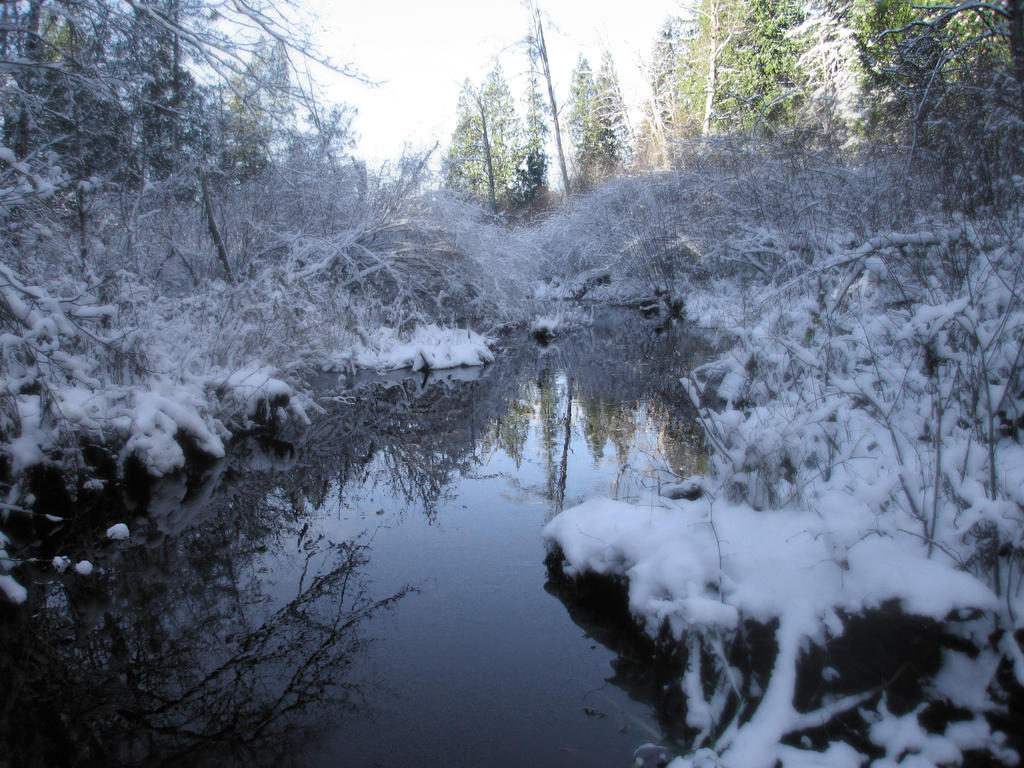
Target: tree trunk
711 84
26 80
542 51
487 156
211 222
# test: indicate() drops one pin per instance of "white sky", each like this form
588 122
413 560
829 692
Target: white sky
423 51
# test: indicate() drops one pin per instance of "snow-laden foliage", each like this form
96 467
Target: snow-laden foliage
156 325
900 382
734 210
428 348
866 447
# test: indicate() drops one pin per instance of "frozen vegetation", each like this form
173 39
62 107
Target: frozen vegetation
865 421
142 351
865 449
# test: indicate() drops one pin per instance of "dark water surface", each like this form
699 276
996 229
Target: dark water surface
373 592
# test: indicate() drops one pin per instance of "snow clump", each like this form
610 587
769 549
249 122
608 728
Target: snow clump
429 348
117 532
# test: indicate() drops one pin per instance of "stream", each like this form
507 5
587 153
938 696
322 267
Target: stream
374 592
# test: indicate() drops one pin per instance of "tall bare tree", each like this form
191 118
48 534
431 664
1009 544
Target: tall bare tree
539 55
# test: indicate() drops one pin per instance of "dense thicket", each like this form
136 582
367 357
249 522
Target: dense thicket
180 225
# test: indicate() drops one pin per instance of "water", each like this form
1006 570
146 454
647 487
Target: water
375 592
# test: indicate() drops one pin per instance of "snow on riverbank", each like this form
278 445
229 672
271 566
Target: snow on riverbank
710 564
865 446
428 348
701 568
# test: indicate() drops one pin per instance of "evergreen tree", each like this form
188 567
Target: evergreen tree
611 111
487 144
532 171
65 98
663 110
830 64
256 112
167 105
739 67
597 123
706 33
760 79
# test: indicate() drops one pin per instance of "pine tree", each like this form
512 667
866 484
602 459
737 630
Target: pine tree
487 144
532 171
662 112
166 103
256 110
597 123
611 111
740 67
66 98
760 76
706 33
830 63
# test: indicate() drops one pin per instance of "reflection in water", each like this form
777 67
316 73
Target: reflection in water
231 625
882 664
180 649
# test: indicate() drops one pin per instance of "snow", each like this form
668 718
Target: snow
12 590
253 390
29 447
850 464
427 348
117 532
838 755
709 563
158 416
706 565
846 471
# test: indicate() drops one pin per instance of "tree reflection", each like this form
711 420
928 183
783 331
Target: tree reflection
415 438
200 665
191 644
228 628
512 429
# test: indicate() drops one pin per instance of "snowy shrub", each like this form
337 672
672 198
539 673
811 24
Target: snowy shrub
866 444
893 385
50 344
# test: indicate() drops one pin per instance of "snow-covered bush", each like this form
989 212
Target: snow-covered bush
865 429
158 321
901 382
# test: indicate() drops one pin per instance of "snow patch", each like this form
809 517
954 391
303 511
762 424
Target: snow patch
255 393
158 417
701 564
118 532
12 590
428 348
